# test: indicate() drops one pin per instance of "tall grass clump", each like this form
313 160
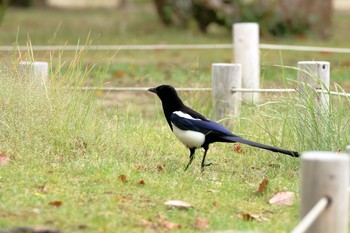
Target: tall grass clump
322 124
55 121
306 124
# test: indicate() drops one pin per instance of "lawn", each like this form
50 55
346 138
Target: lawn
93 162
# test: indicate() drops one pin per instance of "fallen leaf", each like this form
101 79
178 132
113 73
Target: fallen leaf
170 225
56 203
282 199
178 204
160 168
237 148
263 185
4 160
122 178
251 217
141 182
201 223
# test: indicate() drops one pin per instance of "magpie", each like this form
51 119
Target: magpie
195 131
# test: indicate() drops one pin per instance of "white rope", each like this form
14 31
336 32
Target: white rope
116 47
339 93
311 216
304 48
168 47
110 89
261 90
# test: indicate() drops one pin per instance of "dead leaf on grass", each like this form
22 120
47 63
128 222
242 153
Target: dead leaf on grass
201 223
178 204
122 178
4 160
141 182
237 148
251 217
283 199
263 185
160 168
56 203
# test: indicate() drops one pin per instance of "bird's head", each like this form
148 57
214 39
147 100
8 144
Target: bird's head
164 92
168 95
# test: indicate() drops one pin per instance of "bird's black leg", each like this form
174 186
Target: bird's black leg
203 161
192 150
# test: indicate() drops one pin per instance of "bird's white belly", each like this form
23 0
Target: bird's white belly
191 139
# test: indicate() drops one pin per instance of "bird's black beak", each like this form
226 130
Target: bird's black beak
154 90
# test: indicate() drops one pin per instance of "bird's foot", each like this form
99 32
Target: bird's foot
206 165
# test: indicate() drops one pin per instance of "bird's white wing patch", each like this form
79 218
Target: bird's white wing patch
184 115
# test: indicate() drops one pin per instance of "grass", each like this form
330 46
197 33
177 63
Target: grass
69 150
68 155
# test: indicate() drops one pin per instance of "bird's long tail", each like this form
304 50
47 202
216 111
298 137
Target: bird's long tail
259 145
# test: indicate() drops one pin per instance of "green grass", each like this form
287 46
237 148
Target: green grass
65 147
71 147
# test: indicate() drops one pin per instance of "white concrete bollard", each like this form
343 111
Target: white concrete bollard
225 77
326 175
34 72
317 75
246 53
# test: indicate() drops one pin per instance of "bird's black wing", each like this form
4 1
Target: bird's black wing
185 121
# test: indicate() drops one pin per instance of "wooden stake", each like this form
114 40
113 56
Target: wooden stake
317 75
225 77
246 52
326 174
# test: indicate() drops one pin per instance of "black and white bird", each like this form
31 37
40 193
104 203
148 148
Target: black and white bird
195 131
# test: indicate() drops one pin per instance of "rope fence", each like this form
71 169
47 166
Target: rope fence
313 214
168 47
200 89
